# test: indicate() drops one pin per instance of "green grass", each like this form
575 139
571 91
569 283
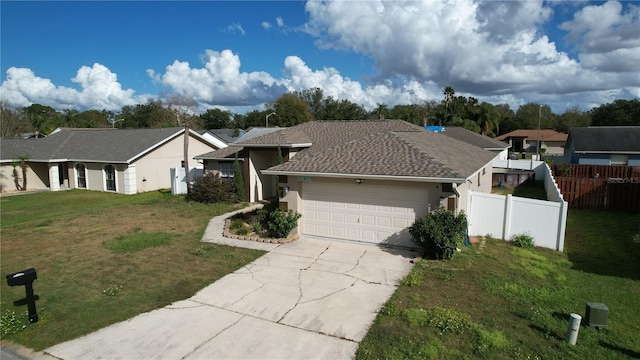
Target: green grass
103 258
529 190
506 302
138 241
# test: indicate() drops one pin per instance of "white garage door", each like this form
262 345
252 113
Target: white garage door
368 213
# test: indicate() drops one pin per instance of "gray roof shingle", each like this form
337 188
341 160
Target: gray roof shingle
476 139
605 139
376 147
99 145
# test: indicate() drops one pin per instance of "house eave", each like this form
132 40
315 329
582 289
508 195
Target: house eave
366 176
608 152
291 146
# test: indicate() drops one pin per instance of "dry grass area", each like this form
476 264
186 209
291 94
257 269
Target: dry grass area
82 285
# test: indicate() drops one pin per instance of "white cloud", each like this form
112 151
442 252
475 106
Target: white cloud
266 25
483 48
607 36
280 21
99 90
220 81
235 29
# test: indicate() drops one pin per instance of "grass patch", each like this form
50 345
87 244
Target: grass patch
84 285
138 241
530 190
507 302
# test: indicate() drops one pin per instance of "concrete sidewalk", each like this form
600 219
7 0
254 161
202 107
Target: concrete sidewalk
309 299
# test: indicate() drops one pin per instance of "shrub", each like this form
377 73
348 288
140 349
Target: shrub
256 226
282 222
238 180
210 188
523 240
266 211
439 233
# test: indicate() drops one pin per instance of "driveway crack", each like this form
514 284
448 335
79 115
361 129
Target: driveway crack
213 337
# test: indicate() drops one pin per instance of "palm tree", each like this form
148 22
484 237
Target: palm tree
488 119
381 110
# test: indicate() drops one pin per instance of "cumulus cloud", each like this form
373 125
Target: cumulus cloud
266 25
99 90
607 37
484 48
220 81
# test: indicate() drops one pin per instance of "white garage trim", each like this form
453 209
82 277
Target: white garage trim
378 214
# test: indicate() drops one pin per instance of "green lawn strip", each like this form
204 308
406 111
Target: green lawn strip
506 302
82 285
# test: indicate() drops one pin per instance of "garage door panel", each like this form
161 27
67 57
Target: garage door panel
384 221
353 219
371 213
323 215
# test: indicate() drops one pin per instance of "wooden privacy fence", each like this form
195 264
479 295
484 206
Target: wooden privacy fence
599 187
595 171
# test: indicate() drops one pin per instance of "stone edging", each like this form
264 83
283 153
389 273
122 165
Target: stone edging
253 237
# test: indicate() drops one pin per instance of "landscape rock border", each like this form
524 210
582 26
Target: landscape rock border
255 237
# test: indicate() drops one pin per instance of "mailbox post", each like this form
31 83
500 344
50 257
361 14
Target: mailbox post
26 277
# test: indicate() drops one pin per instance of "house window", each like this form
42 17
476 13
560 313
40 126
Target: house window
81 171
226 170
110 177
619 159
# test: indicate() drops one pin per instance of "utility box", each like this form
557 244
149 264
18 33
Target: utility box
596 315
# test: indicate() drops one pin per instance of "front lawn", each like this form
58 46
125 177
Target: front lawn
504 302
103 258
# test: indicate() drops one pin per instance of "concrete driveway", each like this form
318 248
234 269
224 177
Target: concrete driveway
309 299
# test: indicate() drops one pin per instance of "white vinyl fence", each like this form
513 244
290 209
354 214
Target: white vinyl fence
503 216
179 179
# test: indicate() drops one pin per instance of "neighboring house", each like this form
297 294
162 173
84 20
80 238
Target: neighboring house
500 148
222 161
122 161
527 140
604 145
221 138
363 180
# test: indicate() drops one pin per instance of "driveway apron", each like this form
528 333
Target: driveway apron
309 299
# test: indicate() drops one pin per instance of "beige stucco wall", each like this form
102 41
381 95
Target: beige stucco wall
37 177
261 186
155 167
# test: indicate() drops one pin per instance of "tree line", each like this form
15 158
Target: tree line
311 104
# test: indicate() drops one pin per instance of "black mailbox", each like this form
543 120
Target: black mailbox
22 277
26 277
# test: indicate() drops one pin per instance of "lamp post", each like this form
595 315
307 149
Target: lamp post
267 119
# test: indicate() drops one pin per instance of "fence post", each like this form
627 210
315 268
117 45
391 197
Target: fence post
562 224
506 226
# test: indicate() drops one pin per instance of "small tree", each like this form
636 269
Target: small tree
22 162
439 233
238 180
210 188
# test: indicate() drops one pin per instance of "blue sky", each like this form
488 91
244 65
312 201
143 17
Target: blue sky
240 55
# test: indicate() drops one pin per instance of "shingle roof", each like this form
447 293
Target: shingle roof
100 145
376 147
532 135
476 139
606 139
228 153
227 134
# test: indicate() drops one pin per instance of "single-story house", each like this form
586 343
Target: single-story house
222 161
604 145
365 180
115 160
221 138
527 140
500 148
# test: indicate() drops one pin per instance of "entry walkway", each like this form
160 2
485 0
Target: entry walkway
309 299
